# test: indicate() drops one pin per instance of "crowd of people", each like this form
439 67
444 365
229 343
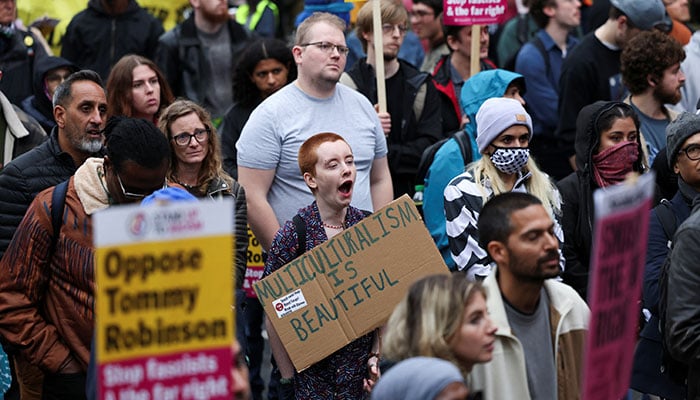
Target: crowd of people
282 115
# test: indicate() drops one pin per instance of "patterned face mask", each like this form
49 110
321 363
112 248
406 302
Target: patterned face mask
510 160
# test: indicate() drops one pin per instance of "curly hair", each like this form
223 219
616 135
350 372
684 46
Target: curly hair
120 82
244 90
211 165
648 54
137 140
428 318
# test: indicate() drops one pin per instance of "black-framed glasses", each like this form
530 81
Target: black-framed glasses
390 28
184 139
692 152
327 47
134 196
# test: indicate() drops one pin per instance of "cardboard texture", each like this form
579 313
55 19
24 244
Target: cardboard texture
349 285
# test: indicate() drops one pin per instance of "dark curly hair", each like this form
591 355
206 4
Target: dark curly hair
244 90
648 53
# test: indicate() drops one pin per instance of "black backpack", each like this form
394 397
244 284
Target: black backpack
426 159
675 370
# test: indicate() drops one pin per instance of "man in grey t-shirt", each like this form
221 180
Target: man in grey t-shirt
541 322
314 103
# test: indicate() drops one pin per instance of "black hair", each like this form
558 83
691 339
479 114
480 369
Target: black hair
244 90
607 115
537 11
436 5
137 140
63 95
494 221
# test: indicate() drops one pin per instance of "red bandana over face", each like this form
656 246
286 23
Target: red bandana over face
611 165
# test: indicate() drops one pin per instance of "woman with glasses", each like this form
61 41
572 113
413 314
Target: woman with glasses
195 164
136 88
608 147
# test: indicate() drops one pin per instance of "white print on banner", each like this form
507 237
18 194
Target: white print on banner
474 12
289 303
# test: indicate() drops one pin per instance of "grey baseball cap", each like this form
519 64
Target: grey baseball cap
645 14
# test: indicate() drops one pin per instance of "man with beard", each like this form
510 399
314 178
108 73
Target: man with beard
80 105
651 70
313 103
198 55
539 319
412 121
591 71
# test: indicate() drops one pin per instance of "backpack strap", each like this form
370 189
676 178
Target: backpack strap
58 203
300 228
464 145
667 218
539 45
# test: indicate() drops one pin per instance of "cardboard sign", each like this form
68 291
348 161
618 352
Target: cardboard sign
617 268
474 12
349 285
163 301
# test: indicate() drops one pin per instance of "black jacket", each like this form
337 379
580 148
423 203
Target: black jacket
230 130
22 179
417 132
181 58
96 40
577 199
18 54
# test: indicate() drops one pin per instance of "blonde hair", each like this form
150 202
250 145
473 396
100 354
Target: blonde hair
428 318
538 185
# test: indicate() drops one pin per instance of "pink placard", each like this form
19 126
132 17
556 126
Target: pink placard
474 12
204 374
615 289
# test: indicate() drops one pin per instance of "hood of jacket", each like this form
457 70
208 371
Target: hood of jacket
96 5
588 136
41 67
483 86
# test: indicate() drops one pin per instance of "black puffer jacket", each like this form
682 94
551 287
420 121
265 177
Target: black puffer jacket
577 197
96 40
22 179
181 57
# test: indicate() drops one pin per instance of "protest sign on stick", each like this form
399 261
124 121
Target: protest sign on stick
616 271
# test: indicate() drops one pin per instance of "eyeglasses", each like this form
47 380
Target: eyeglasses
692 152
134 196
329 47
390 28
421 13
184 139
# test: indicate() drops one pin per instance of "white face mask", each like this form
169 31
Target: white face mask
510 160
